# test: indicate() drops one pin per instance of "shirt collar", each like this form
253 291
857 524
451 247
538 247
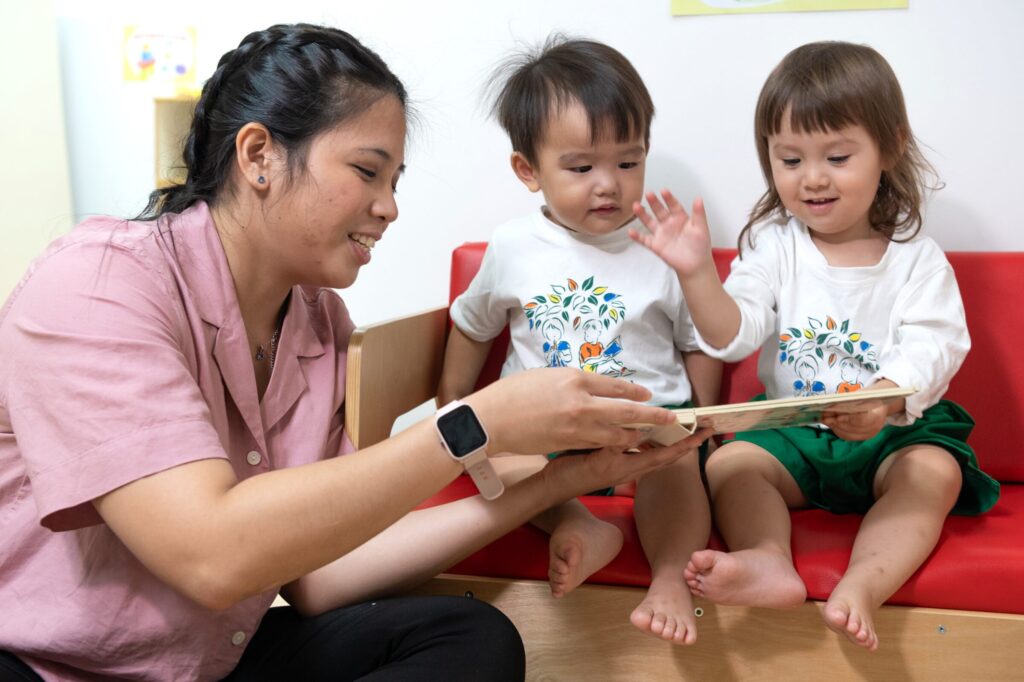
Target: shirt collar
204 266
197 248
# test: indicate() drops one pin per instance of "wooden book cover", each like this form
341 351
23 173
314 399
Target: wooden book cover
770 414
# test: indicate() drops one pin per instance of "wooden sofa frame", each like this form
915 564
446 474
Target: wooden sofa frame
587 635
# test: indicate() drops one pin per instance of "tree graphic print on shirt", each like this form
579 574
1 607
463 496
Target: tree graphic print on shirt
826 355
587 313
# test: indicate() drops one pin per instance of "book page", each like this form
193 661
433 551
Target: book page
770 414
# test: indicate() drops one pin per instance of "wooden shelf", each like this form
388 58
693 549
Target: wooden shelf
173 116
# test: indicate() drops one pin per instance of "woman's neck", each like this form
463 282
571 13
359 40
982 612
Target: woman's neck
258 286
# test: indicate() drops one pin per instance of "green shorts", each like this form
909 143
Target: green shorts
838 475
608 492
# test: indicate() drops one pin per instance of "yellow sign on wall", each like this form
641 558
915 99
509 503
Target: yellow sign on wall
680 7
164 57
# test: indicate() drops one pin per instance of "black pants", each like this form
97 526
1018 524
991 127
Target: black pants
405 638
13 670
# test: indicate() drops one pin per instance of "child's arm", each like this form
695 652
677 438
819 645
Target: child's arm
684 242
463 360
931 341
705 375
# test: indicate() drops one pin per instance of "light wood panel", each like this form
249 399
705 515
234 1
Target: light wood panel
587 636
172 119
393 366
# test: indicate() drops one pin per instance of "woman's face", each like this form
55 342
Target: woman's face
331 215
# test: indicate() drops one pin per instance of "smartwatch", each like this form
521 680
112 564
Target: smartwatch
464 438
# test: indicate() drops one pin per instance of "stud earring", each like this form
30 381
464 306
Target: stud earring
262 180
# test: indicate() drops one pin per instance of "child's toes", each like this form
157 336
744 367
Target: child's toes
669 631
854 625
658 623
691 636
642 617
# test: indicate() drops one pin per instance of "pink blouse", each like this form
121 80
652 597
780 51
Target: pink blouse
122 354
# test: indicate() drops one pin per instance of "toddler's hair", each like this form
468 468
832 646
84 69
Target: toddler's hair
534 84
828 86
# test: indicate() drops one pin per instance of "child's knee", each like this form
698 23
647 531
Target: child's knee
927 468
738 459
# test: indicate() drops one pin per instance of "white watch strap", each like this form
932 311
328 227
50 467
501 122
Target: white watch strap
485 477
475 463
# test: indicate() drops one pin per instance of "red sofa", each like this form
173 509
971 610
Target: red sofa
961 616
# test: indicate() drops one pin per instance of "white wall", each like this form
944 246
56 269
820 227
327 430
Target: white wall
960 65
35 193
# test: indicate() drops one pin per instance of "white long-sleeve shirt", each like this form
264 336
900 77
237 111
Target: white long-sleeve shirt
602 303
825 329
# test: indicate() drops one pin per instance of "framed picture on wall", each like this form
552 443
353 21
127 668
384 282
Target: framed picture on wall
690 7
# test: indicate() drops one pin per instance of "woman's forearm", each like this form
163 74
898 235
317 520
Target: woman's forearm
220 541
428 541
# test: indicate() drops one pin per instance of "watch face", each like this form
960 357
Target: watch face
462 431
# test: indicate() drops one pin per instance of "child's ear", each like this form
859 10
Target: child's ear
897 155
524 171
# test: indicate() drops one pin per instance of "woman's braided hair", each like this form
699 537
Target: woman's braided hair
297 80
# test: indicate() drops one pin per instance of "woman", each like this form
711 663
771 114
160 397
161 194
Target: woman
171 411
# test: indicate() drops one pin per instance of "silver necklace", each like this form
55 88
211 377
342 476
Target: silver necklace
261 350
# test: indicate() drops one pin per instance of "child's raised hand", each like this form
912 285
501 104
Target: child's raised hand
683 241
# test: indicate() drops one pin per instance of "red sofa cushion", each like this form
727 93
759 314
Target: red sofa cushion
976 565
987 385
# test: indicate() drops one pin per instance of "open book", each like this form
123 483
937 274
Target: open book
770 414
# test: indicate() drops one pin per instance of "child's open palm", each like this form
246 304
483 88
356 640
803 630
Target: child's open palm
683 241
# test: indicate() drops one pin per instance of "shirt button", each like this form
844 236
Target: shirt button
254 458
238 638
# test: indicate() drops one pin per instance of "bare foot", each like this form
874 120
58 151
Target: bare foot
749 577
578 548
850 615
667 612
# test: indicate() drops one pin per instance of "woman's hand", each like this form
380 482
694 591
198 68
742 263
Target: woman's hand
551 409
683 241
575 475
